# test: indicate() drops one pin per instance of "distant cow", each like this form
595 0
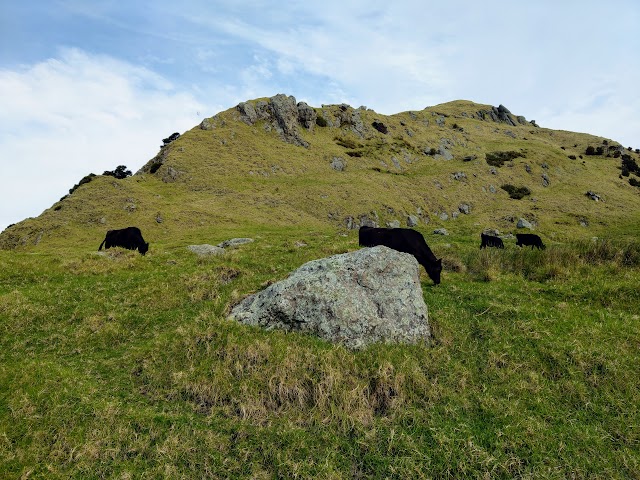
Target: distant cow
490 241
403 240
526 239
129 237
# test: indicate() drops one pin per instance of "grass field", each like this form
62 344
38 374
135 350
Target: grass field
123 366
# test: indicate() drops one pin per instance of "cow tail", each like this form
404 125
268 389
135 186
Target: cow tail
100 247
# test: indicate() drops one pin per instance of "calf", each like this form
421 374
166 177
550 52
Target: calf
490 241
129 237
403 240
526 239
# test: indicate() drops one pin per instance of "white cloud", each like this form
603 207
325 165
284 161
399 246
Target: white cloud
78 114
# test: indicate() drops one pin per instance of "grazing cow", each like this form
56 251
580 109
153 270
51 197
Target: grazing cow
526 239
490 241
129 237
403 240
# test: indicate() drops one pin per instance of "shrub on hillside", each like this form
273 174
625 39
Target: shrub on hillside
633 182
321 121
590 150
347 143
85 179
497 159
120 172
516 192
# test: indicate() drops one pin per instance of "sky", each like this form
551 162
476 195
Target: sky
87 86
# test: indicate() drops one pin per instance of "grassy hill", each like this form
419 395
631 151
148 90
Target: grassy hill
243 176
123 366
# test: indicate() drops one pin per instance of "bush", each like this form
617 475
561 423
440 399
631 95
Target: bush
633 182
590 150
347 143
85 179
154 167
321 121
516 192
497 159
630 164
120 172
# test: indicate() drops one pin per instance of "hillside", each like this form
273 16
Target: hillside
118 365
270 162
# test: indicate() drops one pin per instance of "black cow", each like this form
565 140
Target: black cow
403 240
490 241
526 239
129 237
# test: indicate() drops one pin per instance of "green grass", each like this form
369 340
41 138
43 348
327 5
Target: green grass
123 366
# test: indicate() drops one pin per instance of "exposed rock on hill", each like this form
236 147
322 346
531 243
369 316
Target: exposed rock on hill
358 298
501 114
283 114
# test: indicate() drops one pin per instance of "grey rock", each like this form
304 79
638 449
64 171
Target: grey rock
393 224
350 223
247 112
234 242
365 221
441 231
545 180
444 154
444 216
593 196
338 164
524 223
205 250
412 221
464 208
285 112
306 115
492 189
459 176
355 299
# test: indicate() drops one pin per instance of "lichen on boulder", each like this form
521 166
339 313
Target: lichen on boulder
355 299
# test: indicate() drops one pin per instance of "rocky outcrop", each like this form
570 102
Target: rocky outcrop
284 115
355 299
501 114
306 115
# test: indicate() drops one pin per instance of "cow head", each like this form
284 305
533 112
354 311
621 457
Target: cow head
434 271
143 248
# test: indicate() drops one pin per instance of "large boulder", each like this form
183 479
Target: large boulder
355 299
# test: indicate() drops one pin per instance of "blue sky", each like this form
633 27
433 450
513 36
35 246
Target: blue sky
87 86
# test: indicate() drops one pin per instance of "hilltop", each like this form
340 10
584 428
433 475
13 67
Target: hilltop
276 162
